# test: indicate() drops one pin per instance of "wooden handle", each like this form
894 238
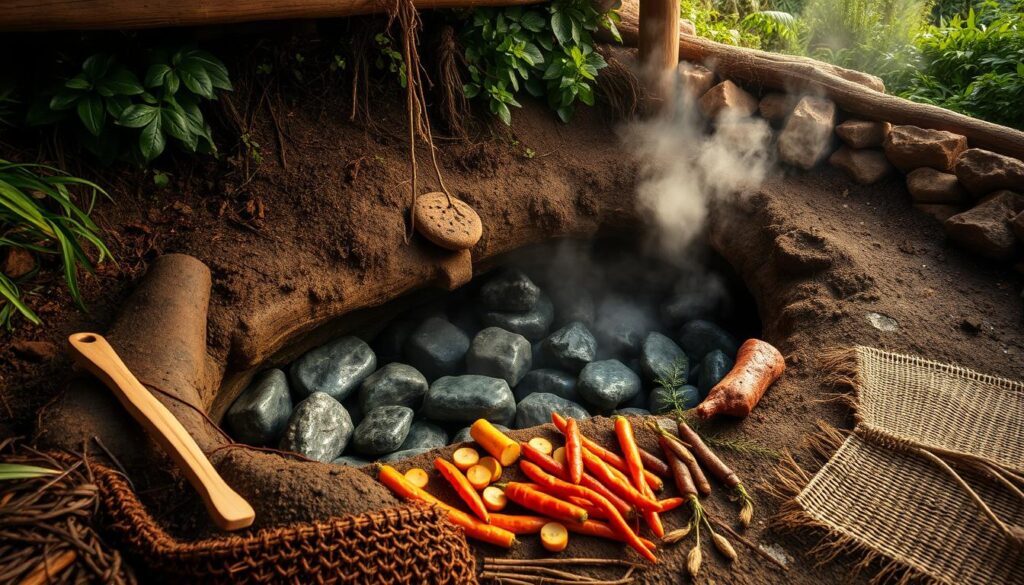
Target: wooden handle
228 510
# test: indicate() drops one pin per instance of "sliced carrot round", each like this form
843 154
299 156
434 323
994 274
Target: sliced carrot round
478 476
494 498
492 464
541 444
559 455
554 537
465 457
417 477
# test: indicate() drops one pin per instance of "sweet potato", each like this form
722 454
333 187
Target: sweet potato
758 365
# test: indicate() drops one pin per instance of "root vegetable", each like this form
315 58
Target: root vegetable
592 510
493 466
465 457
588 481
758 365
559 455
618 484
604 530
554 537
719 469
495 442
541 444
478 476
627 444
519 523
612 459
494 499
474 528
462 487
417 477
538 501
674 445
680 473
573 451
653 463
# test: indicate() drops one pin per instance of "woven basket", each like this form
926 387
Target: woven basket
403 545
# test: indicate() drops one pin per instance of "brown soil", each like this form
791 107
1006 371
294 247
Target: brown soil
294 242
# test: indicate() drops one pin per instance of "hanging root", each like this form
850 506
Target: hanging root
620 87
454 105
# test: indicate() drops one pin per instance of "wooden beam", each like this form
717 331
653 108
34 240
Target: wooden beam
659 48
43 15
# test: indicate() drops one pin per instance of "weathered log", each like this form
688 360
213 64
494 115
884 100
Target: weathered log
659 46
849 89
37 15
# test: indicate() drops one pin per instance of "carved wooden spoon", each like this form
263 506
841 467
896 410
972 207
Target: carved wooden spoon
228 510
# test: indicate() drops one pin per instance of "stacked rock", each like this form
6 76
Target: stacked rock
496 354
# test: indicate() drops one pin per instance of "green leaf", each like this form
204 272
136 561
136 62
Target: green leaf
561 26
195 78
65 99
503 113
92 113
156 74
586 94
152 140
532 21
216 70
137 115
1020 69
177 126
18 471
116 105
96 66
533 54
471 90
121 81
78 82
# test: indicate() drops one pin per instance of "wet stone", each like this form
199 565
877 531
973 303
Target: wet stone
533 324
663 400
660 357
511 291
549 381
383 430
319 428
464 399
715 365
351 461
336 368
437 348
572 346
607 384
424 435
260 413
536 409
698 337
393 385
400 455
499 354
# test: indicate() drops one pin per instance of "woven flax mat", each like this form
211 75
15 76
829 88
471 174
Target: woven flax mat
905 491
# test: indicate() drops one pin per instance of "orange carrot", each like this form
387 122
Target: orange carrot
493 466
627 443
603 530
758 365
519 523
558 470
495 442
417 477
474 528
573 450
612 459
465 457
479 476
617 483
592 510
462 487
554 537
494 499
538 501
675 445
541 444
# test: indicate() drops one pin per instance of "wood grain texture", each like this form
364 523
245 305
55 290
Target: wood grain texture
228 510
659 47
39 15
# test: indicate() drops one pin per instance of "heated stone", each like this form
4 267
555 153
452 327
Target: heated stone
336 368
806 138
664 399
382 430
863 133
261 411
607 384
621 326
695 79
985 228
775 106
867 166
929 186
696 296
572 346
319 428
389 342
727 97
400 455
511 291
632 412
351 461
499 354
437 348
983 172
660 357
463 399
550 381
910 147
424 435
698 337
533 324
393 385
536 409
574 305
715 365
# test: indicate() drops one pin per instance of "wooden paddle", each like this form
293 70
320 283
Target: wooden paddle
228 510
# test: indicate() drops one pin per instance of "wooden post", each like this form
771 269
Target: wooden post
659 49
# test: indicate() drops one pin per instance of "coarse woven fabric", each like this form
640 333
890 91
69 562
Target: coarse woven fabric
883 498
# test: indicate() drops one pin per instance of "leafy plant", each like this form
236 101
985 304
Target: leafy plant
131 119
776 29
10 471
720 24
389 59
38 213
546 51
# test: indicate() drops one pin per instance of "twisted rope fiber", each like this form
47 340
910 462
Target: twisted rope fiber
403 545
